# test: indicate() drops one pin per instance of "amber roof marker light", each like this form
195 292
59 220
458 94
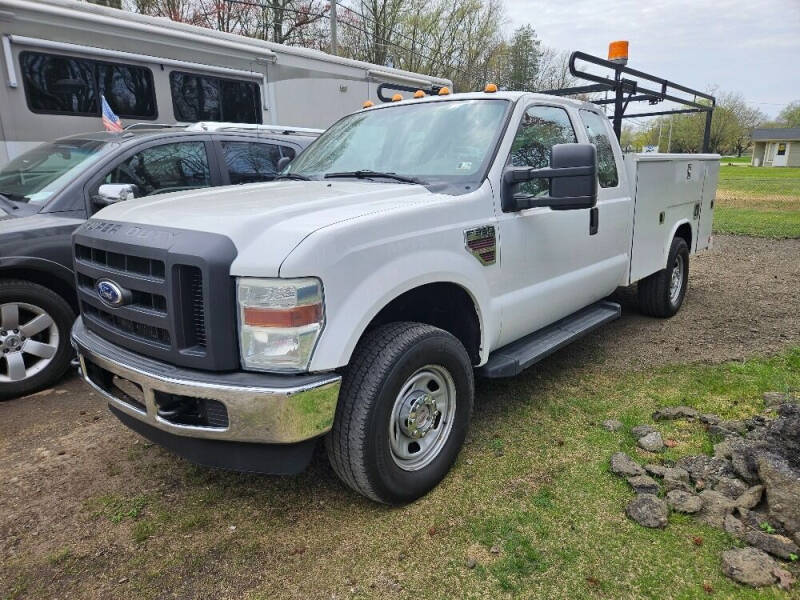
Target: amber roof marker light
490 88
445 91
397 98
618 52
367 104
419 94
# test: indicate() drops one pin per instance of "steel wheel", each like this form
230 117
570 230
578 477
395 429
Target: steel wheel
422 417
676 279
28 340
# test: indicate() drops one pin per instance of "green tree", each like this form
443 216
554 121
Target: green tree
790 115
522 60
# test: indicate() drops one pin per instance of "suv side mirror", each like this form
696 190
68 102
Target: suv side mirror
282 162
573 180
111 193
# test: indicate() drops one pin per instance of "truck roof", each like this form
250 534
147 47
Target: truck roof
505 95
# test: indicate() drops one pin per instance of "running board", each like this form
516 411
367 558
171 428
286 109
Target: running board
511 359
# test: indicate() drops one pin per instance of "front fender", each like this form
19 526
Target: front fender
27 264
352 312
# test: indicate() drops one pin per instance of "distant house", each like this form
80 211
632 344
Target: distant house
776 147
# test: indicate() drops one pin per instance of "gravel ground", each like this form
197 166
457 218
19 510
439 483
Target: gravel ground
60 447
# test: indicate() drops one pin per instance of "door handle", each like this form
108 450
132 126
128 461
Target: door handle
594 220
696 210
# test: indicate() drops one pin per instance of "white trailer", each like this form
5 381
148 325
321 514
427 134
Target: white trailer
59 56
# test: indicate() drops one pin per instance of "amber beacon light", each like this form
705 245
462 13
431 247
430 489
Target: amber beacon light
618 52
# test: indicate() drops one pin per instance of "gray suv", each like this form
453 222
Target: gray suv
49 191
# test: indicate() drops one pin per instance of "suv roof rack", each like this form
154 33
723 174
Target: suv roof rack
282 129
146 125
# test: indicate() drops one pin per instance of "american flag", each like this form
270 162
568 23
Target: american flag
110 120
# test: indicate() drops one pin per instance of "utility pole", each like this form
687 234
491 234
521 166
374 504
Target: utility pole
669 142
334 41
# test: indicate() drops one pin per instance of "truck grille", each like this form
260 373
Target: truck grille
164 307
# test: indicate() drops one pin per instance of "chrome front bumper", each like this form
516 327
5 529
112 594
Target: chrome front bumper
261 408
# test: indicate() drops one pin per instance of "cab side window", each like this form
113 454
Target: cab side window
166 168
541 128
248 162
597 129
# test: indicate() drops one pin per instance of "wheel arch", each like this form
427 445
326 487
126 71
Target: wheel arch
46 273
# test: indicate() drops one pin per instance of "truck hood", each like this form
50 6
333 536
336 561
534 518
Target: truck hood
268 219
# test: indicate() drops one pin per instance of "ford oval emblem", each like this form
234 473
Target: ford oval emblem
110 293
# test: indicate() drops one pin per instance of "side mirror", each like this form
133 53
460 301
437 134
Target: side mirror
282 162
573 180
111 193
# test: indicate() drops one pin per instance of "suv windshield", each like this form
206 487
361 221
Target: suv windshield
39 173
431 142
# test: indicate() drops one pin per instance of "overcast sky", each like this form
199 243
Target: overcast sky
752 46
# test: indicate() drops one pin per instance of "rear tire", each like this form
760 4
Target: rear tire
403 412
662 293
35 324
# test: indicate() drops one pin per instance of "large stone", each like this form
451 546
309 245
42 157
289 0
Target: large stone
783 434
730 486
677 473
777 545
625 466
750 497
750 566
744 458
782 485
738 427
652 442
709 419
655 470
684 501
775 399
716 507
612 425
643 484
641 430
675 412
676 478
708 469
648 510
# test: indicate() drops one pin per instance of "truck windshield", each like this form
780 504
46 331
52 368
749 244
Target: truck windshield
39 173
430 142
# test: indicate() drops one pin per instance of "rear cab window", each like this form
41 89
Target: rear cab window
598 132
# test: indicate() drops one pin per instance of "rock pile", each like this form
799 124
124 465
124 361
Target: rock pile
749 488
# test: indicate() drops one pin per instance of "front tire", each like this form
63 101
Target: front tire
403 412
662 293
34 337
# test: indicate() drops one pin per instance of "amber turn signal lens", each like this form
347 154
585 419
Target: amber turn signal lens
397 98
445 91
419 94
618 51
287 317
490 88
367 104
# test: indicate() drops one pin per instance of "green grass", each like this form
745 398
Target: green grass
544 518
758 201
760 181
770 223
738 160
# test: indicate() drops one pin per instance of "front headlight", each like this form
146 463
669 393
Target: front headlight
279 322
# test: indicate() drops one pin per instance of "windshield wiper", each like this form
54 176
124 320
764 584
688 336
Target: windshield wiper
367 174
6 200
293 176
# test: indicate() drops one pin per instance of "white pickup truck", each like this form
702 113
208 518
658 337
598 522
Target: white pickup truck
413 245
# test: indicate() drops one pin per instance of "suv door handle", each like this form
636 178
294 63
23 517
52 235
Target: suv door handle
594 220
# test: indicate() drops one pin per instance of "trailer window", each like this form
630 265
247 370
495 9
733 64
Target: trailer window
59 84
597 130
203 98
540 129
72 86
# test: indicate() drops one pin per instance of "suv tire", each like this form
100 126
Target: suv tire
35 324
403 412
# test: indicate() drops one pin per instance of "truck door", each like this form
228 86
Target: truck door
552 265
